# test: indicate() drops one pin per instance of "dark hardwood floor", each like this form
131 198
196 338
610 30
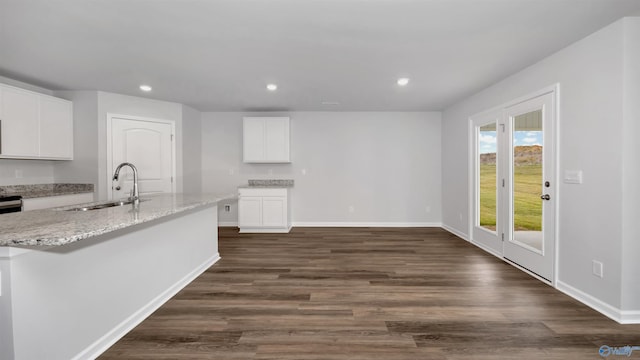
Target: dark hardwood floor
368 293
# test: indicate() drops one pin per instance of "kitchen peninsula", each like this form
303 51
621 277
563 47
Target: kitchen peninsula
73 282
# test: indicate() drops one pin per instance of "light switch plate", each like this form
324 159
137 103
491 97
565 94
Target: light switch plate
573 176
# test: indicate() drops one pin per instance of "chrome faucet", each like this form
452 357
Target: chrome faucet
135 195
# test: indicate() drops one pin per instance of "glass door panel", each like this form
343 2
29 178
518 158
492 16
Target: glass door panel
527 179
485 166
487 189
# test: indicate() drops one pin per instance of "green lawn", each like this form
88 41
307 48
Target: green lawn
527 203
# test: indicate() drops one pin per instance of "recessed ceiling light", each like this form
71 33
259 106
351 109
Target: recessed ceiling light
334 103
272 87
403 81
145 87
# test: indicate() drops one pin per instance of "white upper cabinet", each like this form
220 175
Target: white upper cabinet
19 116
56 128
34 126
266 140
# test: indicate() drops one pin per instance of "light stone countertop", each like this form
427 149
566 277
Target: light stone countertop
45 190
55 227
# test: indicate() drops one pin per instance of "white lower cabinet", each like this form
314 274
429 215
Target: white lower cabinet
250 212
55 201
264 210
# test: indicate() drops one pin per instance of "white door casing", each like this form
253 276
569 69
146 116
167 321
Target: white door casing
146 143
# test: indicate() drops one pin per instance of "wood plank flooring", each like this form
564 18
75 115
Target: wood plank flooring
367 293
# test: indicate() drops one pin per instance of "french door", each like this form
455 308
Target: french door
514 183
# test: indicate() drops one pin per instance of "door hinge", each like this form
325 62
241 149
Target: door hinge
502 126
502 236
171 137
502 182
172 179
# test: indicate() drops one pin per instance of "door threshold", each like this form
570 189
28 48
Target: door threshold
515 264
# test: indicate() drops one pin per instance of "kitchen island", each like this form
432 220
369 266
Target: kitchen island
73 282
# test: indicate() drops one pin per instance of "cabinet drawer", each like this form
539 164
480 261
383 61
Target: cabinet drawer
262 192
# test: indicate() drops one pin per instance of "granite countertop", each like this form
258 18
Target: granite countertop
268 183
55 227
44 190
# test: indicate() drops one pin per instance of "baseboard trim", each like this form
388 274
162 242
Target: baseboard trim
455 232
630 317
264 230
613 313
105 342
366 224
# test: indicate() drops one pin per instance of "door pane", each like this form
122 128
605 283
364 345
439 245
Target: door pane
487 176
527 179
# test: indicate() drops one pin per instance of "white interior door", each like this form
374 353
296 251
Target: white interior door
485 168
529 174
148 145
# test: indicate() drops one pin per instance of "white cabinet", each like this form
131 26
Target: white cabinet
249 211
266 140
34 126
56 128
19 114
55 201
264 210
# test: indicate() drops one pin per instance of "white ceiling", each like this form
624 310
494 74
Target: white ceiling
218 55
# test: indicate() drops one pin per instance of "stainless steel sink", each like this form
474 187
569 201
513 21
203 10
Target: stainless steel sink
102 206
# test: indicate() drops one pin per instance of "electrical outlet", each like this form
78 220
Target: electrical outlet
598 269
18 173
352 209
427 209
227 208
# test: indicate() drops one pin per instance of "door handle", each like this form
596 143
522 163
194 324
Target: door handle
118 188
545 197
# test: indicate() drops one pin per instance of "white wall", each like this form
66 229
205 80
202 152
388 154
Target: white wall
591 79
22 172
192 150
386 165
83 168
631 168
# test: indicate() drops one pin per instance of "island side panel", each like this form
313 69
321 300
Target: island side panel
6 321
75 301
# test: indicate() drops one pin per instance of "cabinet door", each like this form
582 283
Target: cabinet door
253 139
56 128
274 212
277 139
19 112
250 211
